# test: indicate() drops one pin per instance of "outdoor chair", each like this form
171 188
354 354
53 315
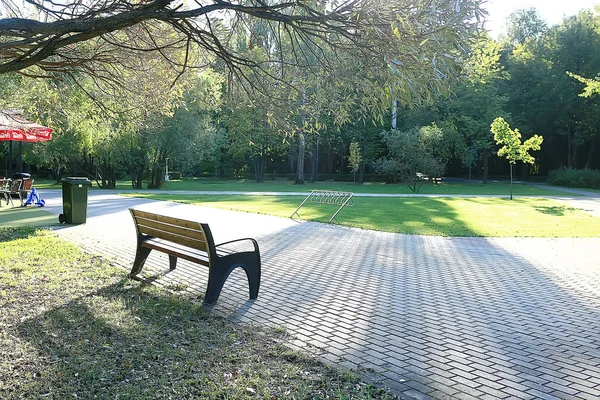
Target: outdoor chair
15 188
25 189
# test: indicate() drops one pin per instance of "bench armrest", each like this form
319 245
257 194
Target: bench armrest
239 240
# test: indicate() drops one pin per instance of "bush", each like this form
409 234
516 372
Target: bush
412 157
579 178
175 176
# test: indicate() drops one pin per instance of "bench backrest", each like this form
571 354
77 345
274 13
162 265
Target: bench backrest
187 233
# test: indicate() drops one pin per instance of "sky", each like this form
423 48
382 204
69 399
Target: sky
551 10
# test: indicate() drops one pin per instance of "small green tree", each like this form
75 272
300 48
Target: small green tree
355 158
512 149
411 157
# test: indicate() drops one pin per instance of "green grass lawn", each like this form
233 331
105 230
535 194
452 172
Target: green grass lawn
26 216
471 188
424 216
73 327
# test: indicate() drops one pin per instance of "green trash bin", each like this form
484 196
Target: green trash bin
75 194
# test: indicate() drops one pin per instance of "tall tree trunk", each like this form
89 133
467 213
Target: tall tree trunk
574 157
569 150
511 179
361 167
259 166
132 175
293 162
361 173
300 161
588 162
314 166
139 177
486 166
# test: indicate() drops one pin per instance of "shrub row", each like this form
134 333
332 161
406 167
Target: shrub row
580 178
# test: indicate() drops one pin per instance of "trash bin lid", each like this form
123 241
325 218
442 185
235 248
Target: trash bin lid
21 175
77 180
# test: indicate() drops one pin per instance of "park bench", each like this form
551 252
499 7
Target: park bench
193 241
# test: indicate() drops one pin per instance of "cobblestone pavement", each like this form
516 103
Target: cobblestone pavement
429 317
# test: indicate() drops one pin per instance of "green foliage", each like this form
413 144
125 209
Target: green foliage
592 86
545 99
512 149
525 24
578 178
411 156
355 158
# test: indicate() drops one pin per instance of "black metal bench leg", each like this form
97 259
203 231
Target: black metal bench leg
216 280
140 258
172 262
253 274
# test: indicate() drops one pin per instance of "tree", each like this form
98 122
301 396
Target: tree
355 158
411 157
543 98
524 24
512 149
423 40
476 101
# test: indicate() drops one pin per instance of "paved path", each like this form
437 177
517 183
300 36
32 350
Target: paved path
585 200
429 317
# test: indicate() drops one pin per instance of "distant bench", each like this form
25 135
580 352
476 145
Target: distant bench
193 241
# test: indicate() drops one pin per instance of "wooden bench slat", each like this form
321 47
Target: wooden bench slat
176 250
168 220
194 233
193 243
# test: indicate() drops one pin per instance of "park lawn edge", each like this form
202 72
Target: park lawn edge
427 216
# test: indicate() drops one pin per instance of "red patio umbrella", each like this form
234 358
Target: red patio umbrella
13 127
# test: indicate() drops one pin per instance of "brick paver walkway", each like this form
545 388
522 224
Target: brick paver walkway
429 317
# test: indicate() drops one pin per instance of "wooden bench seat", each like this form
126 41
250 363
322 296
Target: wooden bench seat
193 241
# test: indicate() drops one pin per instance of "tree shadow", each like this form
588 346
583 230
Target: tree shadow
8 234
121 340
416 312
558 211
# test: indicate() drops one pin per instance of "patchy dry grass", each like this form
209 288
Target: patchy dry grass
72 327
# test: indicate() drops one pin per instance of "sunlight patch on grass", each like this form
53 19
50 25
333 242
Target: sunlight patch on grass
26 216
524 217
